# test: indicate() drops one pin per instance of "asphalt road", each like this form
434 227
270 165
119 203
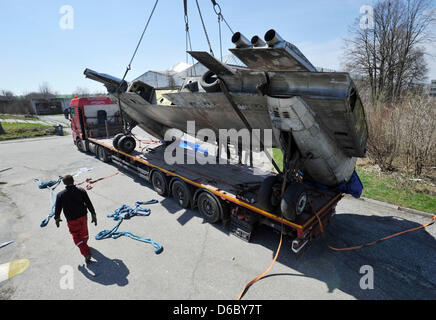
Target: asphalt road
199 261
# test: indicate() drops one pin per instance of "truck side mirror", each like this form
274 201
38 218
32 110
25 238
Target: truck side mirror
67 113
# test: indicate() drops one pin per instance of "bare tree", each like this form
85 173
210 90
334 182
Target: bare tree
418 131
7 94
45 90
391 55
82 92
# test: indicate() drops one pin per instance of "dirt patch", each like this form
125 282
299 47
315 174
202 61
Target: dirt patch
6 292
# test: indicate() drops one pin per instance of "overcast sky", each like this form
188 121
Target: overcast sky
38 44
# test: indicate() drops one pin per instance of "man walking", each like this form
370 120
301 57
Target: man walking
75 203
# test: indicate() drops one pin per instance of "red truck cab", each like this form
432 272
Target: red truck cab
93 117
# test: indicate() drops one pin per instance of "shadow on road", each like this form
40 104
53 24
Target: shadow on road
404 267
104 270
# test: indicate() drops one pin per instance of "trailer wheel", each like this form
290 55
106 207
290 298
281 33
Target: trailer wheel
159 182
209 207
265 194
127 144
294 201
116 140
181 193
102 154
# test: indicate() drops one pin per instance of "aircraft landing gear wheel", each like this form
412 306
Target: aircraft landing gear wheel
116 140
127 144
294 201
265 195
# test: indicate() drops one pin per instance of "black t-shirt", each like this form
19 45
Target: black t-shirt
75 202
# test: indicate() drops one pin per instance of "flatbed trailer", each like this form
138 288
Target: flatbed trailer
222 193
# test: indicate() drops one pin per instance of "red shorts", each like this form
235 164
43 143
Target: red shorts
79 231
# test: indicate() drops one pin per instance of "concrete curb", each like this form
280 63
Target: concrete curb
395 207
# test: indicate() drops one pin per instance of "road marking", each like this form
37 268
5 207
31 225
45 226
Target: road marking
13 268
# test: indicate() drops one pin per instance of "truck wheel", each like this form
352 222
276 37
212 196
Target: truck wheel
265 194
294 201
209 207
127 144
80 145
102 154
159 182
181 193
116 140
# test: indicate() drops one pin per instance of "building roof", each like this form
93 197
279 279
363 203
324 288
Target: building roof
175 76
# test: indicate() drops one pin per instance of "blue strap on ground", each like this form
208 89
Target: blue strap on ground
51 185
126 212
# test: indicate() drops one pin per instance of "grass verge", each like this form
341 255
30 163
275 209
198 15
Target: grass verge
17 117
25 130
397 189
393 188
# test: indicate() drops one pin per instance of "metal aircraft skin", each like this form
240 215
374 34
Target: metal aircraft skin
279 90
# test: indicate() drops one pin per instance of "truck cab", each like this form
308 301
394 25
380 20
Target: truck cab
93 117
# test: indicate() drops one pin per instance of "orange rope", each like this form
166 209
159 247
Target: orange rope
433 220
278 249
373 242
264 273
91 183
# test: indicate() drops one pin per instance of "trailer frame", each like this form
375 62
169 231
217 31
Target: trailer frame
301 232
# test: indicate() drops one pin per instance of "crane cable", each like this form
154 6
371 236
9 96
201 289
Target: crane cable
129 67
218 11
204 28
188 38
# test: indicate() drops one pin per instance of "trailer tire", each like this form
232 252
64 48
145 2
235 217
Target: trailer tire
159 182
265 193
294 201
102 154
127 144
209 207
181 193
116 140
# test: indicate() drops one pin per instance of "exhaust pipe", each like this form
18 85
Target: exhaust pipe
257 42
240 41
273 38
